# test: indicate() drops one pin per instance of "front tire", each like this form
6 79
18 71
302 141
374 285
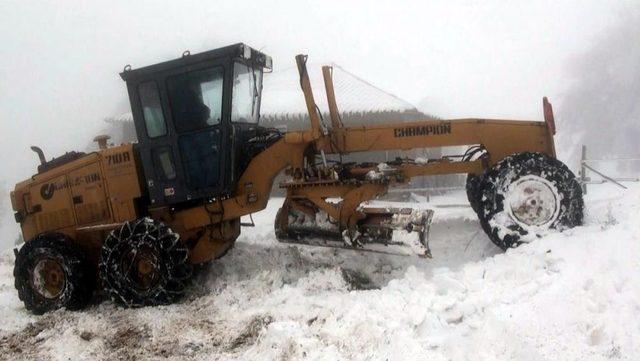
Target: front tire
143 263
50 272
526 194
474 193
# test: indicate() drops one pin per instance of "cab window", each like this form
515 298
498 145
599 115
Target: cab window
196 99
152 109
200 158
247 86
163 162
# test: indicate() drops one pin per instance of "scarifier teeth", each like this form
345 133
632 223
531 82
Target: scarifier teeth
408 219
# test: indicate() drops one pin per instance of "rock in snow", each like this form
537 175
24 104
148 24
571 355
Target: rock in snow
569 296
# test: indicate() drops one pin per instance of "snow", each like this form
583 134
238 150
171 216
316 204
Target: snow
121 118
382 169
569 296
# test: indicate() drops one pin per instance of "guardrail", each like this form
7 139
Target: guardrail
585 167
426 191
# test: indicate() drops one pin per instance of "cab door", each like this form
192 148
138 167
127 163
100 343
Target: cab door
196 102
157 149
182 133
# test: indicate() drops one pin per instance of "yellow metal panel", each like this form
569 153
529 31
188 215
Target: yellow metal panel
51 204
88 195
121 178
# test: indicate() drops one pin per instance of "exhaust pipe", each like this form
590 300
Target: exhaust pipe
102 141
40 154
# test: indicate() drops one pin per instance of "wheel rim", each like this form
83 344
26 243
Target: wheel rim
141 267
533 201
48 278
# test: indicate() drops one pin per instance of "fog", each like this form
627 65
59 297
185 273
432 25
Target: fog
601 106
59 61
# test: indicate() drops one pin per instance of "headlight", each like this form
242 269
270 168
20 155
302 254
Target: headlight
268 62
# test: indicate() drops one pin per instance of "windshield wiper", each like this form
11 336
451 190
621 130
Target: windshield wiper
255 93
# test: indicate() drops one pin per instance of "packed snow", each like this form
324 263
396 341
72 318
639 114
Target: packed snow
570 296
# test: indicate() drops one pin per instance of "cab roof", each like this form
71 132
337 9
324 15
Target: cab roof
239 50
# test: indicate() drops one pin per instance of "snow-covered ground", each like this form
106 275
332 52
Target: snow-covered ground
568 296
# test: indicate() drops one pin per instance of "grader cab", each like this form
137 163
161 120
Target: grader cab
193 117
132 219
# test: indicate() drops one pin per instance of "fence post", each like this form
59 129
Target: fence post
583 170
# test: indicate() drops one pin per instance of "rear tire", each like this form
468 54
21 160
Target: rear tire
526 194
50 272
143 263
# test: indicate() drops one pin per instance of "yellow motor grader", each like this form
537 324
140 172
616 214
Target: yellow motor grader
133 219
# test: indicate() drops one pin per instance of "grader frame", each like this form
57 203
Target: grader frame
100 203
210 229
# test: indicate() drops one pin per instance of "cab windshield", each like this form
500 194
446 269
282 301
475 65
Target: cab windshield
247 86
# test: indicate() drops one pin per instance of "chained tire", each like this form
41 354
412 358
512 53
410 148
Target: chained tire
527 194
51 272
143 263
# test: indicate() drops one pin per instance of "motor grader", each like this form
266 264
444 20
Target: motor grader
133 219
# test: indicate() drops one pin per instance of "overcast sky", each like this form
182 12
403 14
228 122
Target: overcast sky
59 61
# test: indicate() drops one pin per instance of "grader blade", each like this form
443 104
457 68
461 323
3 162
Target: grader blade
388 230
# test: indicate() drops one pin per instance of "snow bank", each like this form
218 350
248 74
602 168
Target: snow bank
568 296
571 295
